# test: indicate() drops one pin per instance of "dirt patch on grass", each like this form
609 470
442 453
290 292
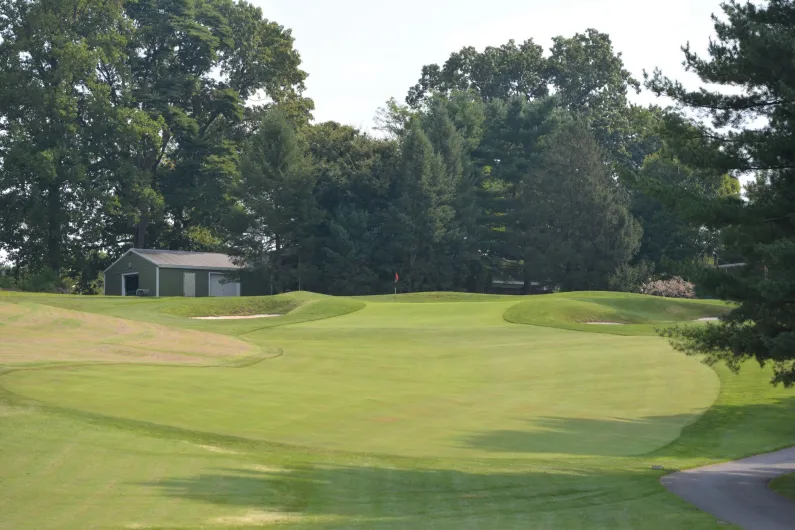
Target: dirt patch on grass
269 469
215 449
35 333
257 518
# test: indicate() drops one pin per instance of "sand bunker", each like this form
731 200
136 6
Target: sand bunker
33 332
604 323
240 317
707 319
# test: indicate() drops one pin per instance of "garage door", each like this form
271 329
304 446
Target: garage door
221 286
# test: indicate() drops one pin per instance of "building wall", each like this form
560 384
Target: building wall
172 281
128 264
113 283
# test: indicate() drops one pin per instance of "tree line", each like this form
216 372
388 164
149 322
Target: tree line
181 124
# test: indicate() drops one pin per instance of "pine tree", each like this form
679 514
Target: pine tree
751 130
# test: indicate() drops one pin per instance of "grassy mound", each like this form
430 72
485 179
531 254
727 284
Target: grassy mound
636 314
233 306
784 486
178 312
34 333
439 297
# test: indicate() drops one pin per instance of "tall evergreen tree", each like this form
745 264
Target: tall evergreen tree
751 130
277 205
579 231
420 214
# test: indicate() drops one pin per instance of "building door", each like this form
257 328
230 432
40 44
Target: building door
129 284
189 284
220 285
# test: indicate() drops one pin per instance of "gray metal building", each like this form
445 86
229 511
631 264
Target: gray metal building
172 273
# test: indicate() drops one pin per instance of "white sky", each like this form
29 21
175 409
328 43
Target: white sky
359 53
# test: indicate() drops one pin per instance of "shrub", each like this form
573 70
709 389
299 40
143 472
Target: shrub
629 278
674 287
45 281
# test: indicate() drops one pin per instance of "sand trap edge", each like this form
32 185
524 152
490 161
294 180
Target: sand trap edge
238 317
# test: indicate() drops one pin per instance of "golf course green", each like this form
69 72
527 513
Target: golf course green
437 410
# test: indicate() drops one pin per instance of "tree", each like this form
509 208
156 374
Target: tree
591 82
579 231
277 206
510 149
496 73
53 105
193 64
750 130
419 213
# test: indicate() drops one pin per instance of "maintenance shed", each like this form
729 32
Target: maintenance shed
146 272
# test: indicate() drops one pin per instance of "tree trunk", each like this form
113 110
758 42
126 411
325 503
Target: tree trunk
140 232
54 227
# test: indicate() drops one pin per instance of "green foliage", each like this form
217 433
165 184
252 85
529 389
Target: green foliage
502 165
44 281
752 52
580 231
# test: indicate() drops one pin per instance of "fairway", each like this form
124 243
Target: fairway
425 411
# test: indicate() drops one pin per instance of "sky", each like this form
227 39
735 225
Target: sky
360 53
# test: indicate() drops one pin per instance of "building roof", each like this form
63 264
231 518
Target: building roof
182 259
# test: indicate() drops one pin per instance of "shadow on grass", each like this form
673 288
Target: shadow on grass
722 432
370 497
578 436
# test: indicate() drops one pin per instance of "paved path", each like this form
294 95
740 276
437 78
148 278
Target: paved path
737 492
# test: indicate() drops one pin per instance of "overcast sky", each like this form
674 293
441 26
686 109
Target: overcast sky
359 53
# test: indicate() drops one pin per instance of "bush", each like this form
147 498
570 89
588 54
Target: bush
629 278
46 281
674 287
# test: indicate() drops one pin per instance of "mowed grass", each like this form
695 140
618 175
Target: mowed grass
389 415
784 486
612 313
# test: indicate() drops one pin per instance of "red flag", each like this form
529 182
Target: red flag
397 277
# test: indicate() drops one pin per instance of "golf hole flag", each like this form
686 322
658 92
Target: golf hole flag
397 277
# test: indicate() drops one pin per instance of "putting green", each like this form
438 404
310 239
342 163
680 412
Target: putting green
435 379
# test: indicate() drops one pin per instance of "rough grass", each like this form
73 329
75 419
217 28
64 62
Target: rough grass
235 306
177 312
433 415
784 486
637 314
35 333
